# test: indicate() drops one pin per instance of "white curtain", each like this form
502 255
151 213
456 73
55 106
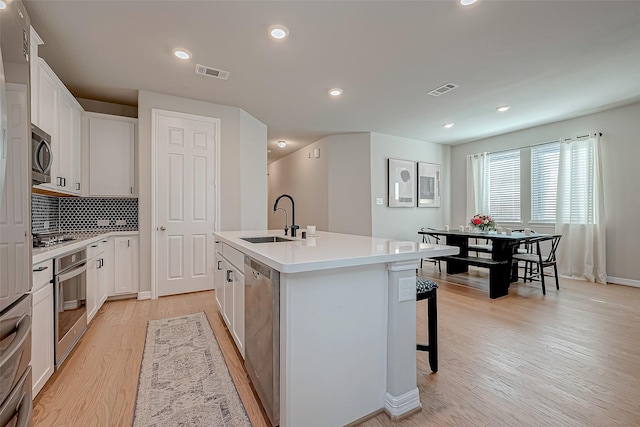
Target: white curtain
580 211
476 184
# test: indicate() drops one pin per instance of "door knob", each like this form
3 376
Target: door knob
162 227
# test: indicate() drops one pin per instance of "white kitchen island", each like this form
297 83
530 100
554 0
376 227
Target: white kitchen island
347 324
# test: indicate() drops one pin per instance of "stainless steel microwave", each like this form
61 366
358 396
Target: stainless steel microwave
41 156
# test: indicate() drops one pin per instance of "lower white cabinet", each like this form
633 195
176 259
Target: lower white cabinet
229 291
42 338
92 287
125 265
106 272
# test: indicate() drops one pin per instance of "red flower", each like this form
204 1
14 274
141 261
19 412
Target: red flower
477 221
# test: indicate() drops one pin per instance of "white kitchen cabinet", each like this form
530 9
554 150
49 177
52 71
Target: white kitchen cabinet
42 339
93 265
106 272
56 111
125 265
218 282
111 144
229 285
100 271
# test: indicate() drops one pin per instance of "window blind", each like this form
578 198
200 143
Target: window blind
503 182
544 181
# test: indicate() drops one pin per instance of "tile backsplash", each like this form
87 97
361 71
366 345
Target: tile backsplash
82 214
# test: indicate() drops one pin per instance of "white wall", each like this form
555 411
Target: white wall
242 141
350 183
620 153
404 223
345 186
304 178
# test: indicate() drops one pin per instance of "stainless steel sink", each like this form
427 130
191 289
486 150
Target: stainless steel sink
265 239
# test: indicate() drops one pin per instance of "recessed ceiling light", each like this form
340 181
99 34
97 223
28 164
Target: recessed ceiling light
467 2
503 108
282 144
182 53
447 125
268 151
278 32
3 4
336 91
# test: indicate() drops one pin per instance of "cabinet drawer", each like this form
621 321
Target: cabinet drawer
93 249
234 256
42 274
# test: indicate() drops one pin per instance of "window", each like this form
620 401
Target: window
503 182
544 182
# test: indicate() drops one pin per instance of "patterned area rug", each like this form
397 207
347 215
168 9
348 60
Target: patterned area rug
184 380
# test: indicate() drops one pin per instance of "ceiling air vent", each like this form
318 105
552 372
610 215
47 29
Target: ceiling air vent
442 89
212 72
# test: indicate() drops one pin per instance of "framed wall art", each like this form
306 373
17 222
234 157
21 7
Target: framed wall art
402 183
428 185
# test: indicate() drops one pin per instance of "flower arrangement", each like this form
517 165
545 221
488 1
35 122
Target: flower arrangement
483 222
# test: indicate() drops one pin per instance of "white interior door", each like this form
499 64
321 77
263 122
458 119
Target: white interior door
185 201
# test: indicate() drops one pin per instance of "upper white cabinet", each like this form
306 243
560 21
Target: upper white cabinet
57 112
111 146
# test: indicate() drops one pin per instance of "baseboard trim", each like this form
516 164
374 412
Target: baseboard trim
622 281
144 295
402 406
70 305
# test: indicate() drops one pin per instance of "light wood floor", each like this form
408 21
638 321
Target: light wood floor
570 358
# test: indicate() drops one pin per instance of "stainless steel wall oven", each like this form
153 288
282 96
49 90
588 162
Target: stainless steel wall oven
70 298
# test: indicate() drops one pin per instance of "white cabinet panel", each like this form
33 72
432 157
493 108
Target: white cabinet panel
111 155
42 326
92 287
218 281
231 300
126 265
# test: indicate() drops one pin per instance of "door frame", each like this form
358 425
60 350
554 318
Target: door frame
155 115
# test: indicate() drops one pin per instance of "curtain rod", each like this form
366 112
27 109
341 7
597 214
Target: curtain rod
575 138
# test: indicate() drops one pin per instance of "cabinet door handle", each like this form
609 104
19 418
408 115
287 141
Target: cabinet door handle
130 190
98 263
64 182
78 186
220 265
128 242
43 268
229 278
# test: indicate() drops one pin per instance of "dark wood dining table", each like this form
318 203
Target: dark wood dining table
502 271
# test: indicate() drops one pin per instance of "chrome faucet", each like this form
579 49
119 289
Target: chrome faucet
293 227
286 228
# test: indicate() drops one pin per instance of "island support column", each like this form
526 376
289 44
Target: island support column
402 397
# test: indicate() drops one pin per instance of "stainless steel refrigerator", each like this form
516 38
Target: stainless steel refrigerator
15 218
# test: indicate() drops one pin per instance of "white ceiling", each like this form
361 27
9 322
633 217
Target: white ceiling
549 60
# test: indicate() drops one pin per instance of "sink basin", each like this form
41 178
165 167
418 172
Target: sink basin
265 239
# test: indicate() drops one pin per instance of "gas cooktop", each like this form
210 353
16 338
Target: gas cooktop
43 240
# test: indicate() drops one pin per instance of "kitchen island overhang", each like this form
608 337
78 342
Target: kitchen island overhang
347 341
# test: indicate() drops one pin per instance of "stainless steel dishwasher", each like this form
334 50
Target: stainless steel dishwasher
262 334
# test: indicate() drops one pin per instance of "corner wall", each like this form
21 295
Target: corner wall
404 223
620 153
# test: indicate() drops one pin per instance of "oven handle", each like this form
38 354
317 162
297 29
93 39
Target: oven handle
23 327
73 273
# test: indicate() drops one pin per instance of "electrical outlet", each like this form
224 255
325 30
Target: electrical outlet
379 201
46 225
103 223
121 222
407 289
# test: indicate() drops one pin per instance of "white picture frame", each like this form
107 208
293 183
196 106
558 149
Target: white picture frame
402 183
428 185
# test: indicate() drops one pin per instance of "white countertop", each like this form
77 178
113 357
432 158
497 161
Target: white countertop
329 250
44 254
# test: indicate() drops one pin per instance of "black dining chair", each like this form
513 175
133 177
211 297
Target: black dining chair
535 261
426 238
